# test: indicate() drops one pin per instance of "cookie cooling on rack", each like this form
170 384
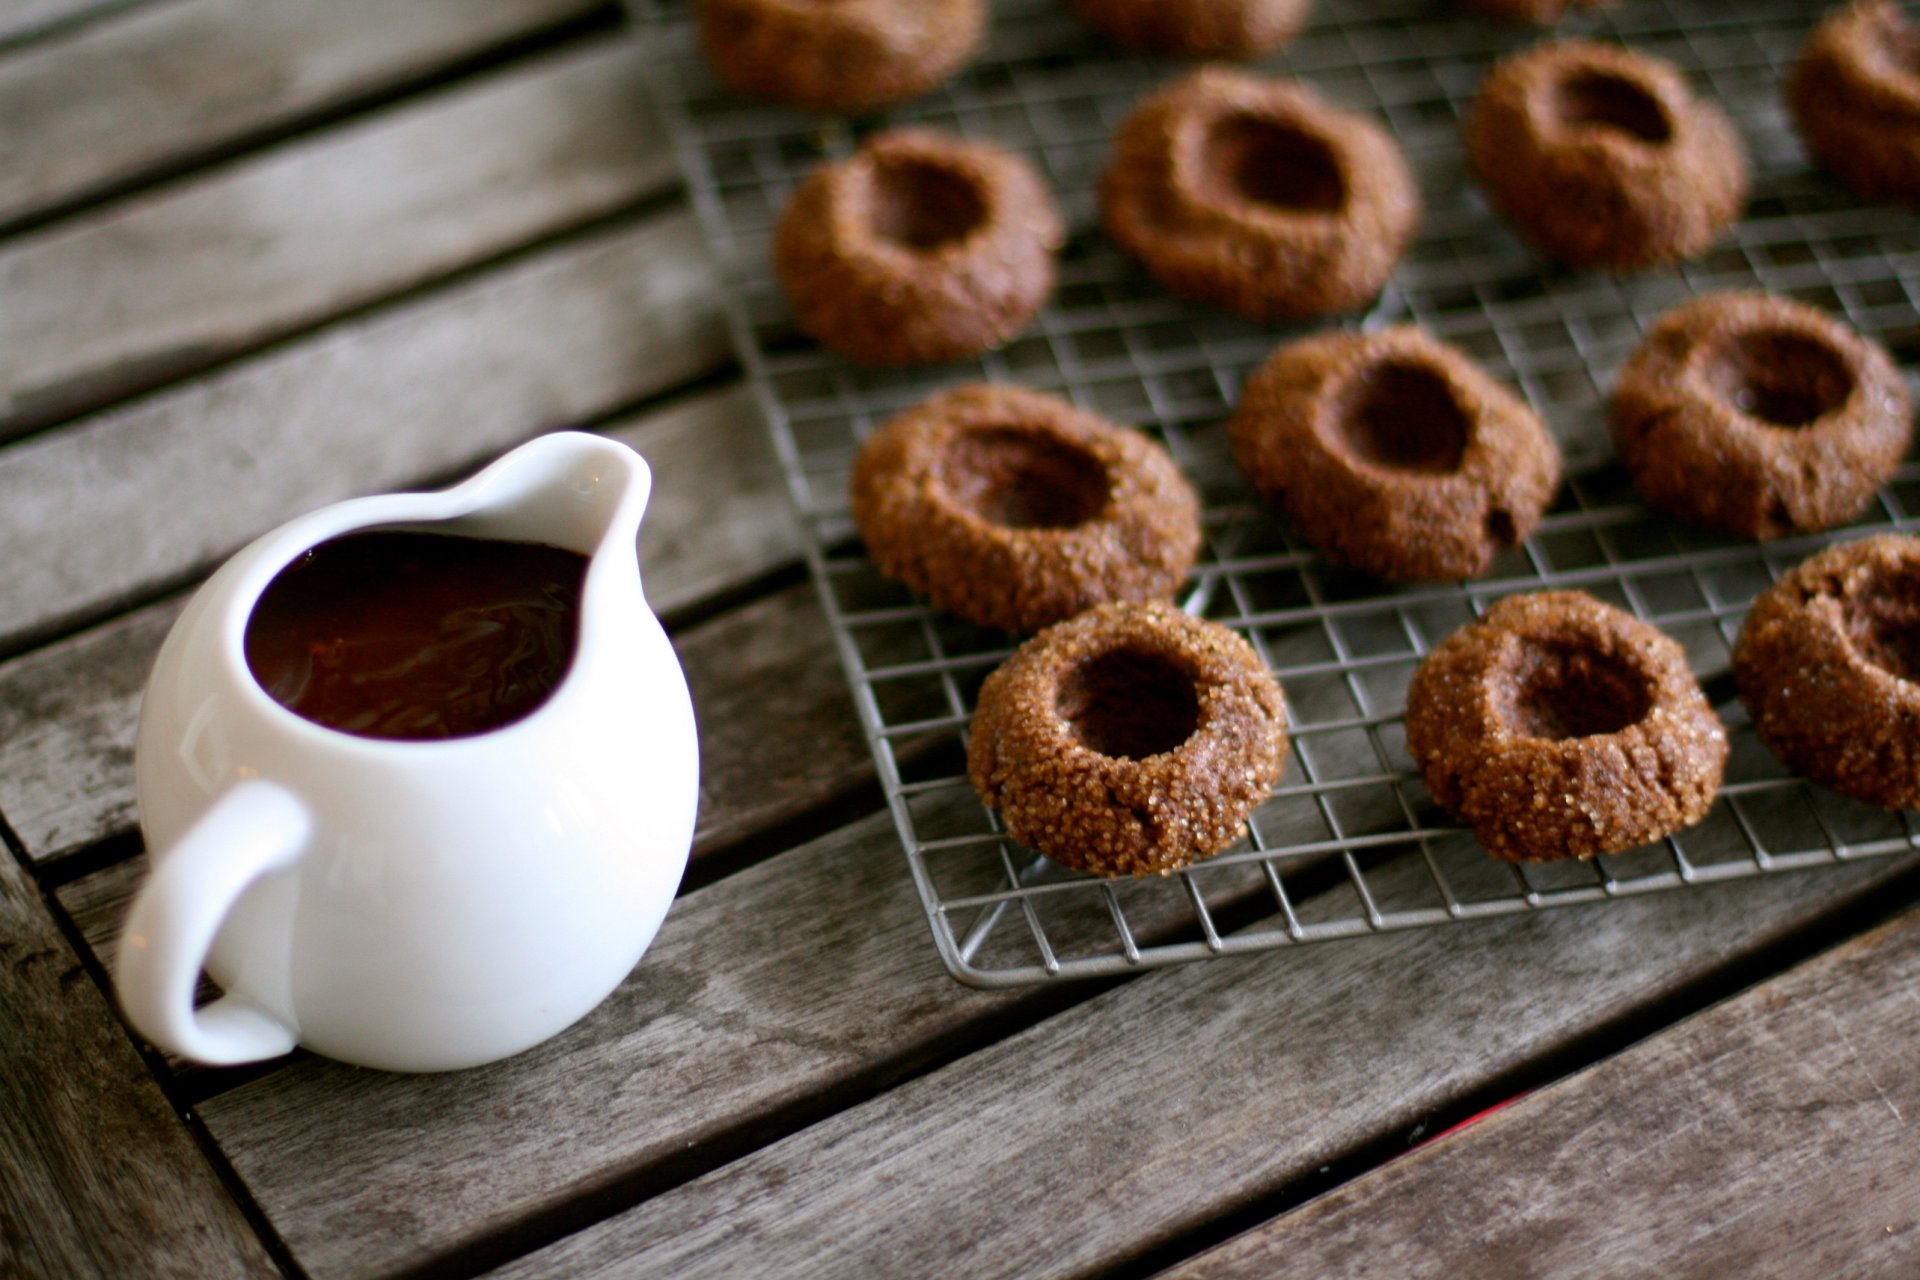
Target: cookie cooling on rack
1855 95
1603 158
1254 195
1759 416
1195 28
1014 509
1129 740
920 248
843 56
1394 453
1828 664
1560 727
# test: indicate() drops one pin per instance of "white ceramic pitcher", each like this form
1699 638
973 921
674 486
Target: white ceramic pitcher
413 905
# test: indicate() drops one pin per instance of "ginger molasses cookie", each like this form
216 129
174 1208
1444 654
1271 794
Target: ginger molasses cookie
1828 665
847 56
1603 158
1394 453
920 248
1013 509
1196 28
1253 194
1759 416
1541 12
1130 739
1855 95
1559 727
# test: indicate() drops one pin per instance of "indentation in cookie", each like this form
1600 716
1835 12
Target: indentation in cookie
1128 703
1402 415
1273 165
1024 479
924 206
1562 691
1600 99
1882 618
1783 378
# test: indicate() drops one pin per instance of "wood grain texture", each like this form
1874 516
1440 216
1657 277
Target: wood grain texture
781 987
718 517
434 386
67 720
778 734
118 302
1770 1136
24 20
68 712
164 84
1126 1122
101 1178
776 994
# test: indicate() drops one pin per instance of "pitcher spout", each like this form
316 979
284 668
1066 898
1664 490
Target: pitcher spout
582 492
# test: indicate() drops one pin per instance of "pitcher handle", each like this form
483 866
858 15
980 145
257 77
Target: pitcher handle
255 828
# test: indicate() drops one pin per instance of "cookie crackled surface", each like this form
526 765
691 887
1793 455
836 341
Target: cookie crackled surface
1557 726
1394 453
847 56
920 247
1855 95
1014 509
1603 157
1828 664
1759 416
1255 195
1129 740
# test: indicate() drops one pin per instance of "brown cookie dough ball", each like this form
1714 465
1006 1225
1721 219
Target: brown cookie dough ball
1542 12
920 248
847 56
1130 739
1559 727
1855 95
1394 453
1196 28
1828 665
1253 194
1759 416
1603 158
1013 509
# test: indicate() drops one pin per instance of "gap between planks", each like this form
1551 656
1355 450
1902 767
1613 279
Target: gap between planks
1769 1135
430 386
167 86
120 301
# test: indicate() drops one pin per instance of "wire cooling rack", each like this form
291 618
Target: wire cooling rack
1351 842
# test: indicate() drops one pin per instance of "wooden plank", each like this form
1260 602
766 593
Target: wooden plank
102 1178
121 101
775 994
121 301
68 712
1120 1125
778 735
777 989
718 517
24 20
430 387
1767 1136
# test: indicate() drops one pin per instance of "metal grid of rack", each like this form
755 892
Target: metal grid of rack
1351 842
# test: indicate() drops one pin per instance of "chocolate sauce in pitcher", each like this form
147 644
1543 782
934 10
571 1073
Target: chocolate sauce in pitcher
415 636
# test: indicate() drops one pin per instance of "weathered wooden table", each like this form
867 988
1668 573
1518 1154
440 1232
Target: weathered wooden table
260 256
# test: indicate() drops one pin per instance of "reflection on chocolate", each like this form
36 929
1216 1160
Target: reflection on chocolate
389 634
